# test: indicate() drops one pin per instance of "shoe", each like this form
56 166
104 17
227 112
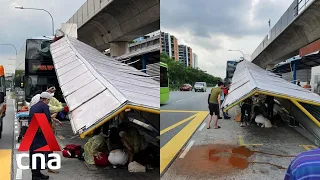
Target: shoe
43 176
242 125
39 177
219 117
227 117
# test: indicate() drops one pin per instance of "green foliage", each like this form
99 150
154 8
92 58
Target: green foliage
179 74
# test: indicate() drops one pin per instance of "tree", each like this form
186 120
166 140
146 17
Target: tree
179 74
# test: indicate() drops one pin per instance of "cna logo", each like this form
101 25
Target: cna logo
39 120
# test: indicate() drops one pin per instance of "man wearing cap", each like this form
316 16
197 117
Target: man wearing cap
39 139
54 106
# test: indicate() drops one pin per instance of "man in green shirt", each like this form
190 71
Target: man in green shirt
214 104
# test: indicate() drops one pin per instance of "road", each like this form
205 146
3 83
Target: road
176 117
6 143
190 151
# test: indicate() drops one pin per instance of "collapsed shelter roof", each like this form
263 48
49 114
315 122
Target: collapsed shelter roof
249 79
97 87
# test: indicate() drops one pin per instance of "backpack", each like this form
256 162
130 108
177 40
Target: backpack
71 151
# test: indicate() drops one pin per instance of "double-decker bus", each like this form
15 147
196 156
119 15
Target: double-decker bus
35 70
3 105
164 83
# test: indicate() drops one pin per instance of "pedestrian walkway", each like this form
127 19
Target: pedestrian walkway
235 152
79 170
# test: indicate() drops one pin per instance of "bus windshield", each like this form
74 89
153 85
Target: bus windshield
38 49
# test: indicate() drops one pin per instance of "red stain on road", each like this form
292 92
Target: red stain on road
218 160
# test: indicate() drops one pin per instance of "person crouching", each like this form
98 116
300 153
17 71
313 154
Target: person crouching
260 119
120 151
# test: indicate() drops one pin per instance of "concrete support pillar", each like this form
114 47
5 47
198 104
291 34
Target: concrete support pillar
294 74
144 59
118 48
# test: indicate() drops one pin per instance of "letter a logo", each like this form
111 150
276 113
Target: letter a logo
39 120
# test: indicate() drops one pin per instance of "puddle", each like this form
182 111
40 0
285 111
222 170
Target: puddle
217 160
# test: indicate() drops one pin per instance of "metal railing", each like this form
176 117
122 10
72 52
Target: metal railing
294 10
301 5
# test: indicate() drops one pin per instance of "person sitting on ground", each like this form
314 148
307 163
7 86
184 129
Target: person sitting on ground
95 145
131 135
143 153
260 119
120 151
245 110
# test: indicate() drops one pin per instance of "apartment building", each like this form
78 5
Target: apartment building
195 60
169 45
185 55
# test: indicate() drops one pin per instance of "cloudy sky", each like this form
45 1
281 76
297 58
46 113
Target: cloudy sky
18 25
211 27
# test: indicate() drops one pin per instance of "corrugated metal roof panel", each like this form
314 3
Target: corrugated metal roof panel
249 77
96 86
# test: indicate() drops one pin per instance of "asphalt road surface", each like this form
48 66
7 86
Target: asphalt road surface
180 117
179 102
6 142
190 151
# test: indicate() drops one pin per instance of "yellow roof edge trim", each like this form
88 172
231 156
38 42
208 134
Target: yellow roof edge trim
83 135
305 112
236 103
289 98
138 108
272 94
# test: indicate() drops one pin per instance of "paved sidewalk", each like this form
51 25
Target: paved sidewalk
79 170
215 153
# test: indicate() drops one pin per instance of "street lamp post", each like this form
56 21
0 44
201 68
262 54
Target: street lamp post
239 51
11 46
41 10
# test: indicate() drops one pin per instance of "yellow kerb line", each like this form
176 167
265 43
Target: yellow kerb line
307 147
169 151
177 124
241 142
5 158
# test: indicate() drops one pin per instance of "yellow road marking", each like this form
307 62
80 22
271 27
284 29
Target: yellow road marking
241 142
171 149
177 124
181 111
5 159
309 147
60 137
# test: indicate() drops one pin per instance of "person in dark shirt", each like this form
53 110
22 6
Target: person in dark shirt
270 103
39 139
246 109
